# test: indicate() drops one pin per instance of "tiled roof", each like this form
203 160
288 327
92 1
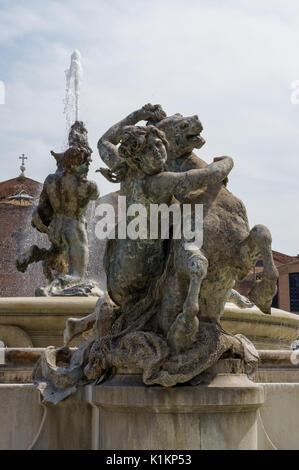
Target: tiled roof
16 185
282 258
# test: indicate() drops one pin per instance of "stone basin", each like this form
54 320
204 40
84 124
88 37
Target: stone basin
275 331
39 322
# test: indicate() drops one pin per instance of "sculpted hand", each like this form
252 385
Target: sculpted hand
227 161
230 164
218 159
153 112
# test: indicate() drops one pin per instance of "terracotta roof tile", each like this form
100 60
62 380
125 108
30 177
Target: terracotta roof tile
282 258
16 185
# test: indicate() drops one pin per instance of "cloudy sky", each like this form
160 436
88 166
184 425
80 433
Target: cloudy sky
231 62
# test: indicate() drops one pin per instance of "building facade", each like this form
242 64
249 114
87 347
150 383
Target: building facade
18 197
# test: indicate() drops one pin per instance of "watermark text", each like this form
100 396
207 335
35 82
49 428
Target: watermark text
150 222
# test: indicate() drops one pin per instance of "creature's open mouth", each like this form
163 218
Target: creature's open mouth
193 136
195 140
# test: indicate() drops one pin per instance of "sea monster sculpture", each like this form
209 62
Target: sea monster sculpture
220 205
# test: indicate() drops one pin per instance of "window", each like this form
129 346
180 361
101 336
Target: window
275 300
294 292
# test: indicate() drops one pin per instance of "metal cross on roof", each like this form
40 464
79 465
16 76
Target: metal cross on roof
23 158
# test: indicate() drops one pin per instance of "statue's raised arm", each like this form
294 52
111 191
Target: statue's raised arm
187 181
107 144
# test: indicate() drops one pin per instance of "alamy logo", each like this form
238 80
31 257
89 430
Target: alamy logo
135 221
2 92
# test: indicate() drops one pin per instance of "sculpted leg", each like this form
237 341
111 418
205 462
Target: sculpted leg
240 300
33 255
183 331
77 250
77 326
53 259
100 320
263 291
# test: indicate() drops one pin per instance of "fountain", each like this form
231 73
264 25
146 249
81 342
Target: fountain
73 83
62 206
152 334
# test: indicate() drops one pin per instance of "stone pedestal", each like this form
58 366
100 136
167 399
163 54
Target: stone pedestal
25 424
146 417
127 415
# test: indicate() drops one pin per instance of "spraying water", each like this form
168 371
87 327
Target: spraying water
78 135
72 94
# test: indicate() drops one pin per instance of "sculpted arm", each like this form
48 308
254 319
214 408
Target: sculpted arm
107 145
184 182
93 191
43 213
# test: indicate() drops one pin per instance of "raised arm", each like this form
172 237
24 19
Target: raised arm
107 145
185 182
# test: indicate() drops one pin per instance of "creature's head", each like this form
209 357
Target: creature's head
144 148
182 134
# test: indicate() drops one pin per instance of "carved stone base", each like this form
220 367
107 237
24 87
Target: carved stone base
218 414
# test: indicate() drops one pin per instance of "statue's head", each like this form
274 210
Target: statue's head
182 134
77 160
144 148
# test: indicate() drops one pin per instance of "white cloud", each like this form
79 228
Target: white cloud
230 62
